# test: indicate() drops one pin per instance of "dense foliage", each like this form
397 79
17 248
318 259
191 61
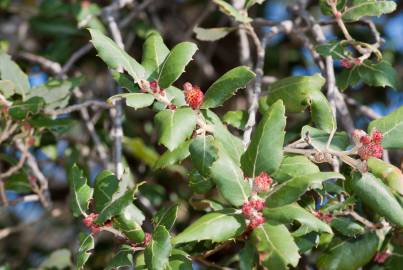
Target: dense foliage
286 181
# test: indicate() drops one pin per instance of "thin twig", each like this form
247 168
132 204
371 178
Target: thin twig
75 57
78 107
44 62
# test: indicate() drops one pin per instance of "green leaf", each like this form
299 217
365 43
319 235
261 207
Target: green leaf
58 259
115 207
106 184
347 226
125 223
10 71
229 179
334 49
293 166
140 150
166 217
114 56
380 74
7 88
319 139
288 213
390 174
295 91
212 34
81 191
322 113
157 252
391 127
236 119
265 151
200 184
122 258
175 126
215 226
277 246
172 157
22 109
232 145
248 256
363 8
125 81
203 153
175 63
290 191
135 100
18 182
377 196
179 260
86 246
250 3
55 94
348 77
349 254
226 86
154 54
232 11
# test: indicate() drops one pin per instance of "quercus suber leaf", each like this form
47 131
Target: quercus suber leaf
215 226
175 63
200 184
334 49
172 157
292 166
128 226
391 127
361 8
122 258
179 260
380 74
81 191
349 254
114 56
135 100
157 253
322 113
203 153
106 184
347 226
175 126
206 205
212 34
166 217
278 246
226 86
390 174
115 207
86 246
55 94
22 109
288 213
248 256
154 54
319 139
348 77
295 91
229 179
291 190
232 145
232 11
7 88
377 196
10 71
236 119
265 152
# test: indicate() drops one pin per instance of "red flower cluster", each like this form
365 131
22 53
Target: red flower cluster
381 256
89 222
349 63
262 182
156 89
252 212
369 146
193 95
324 217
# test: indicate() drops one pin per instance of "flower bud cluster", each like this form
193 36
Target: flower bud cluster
262 183
252 211
193 95
368 146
